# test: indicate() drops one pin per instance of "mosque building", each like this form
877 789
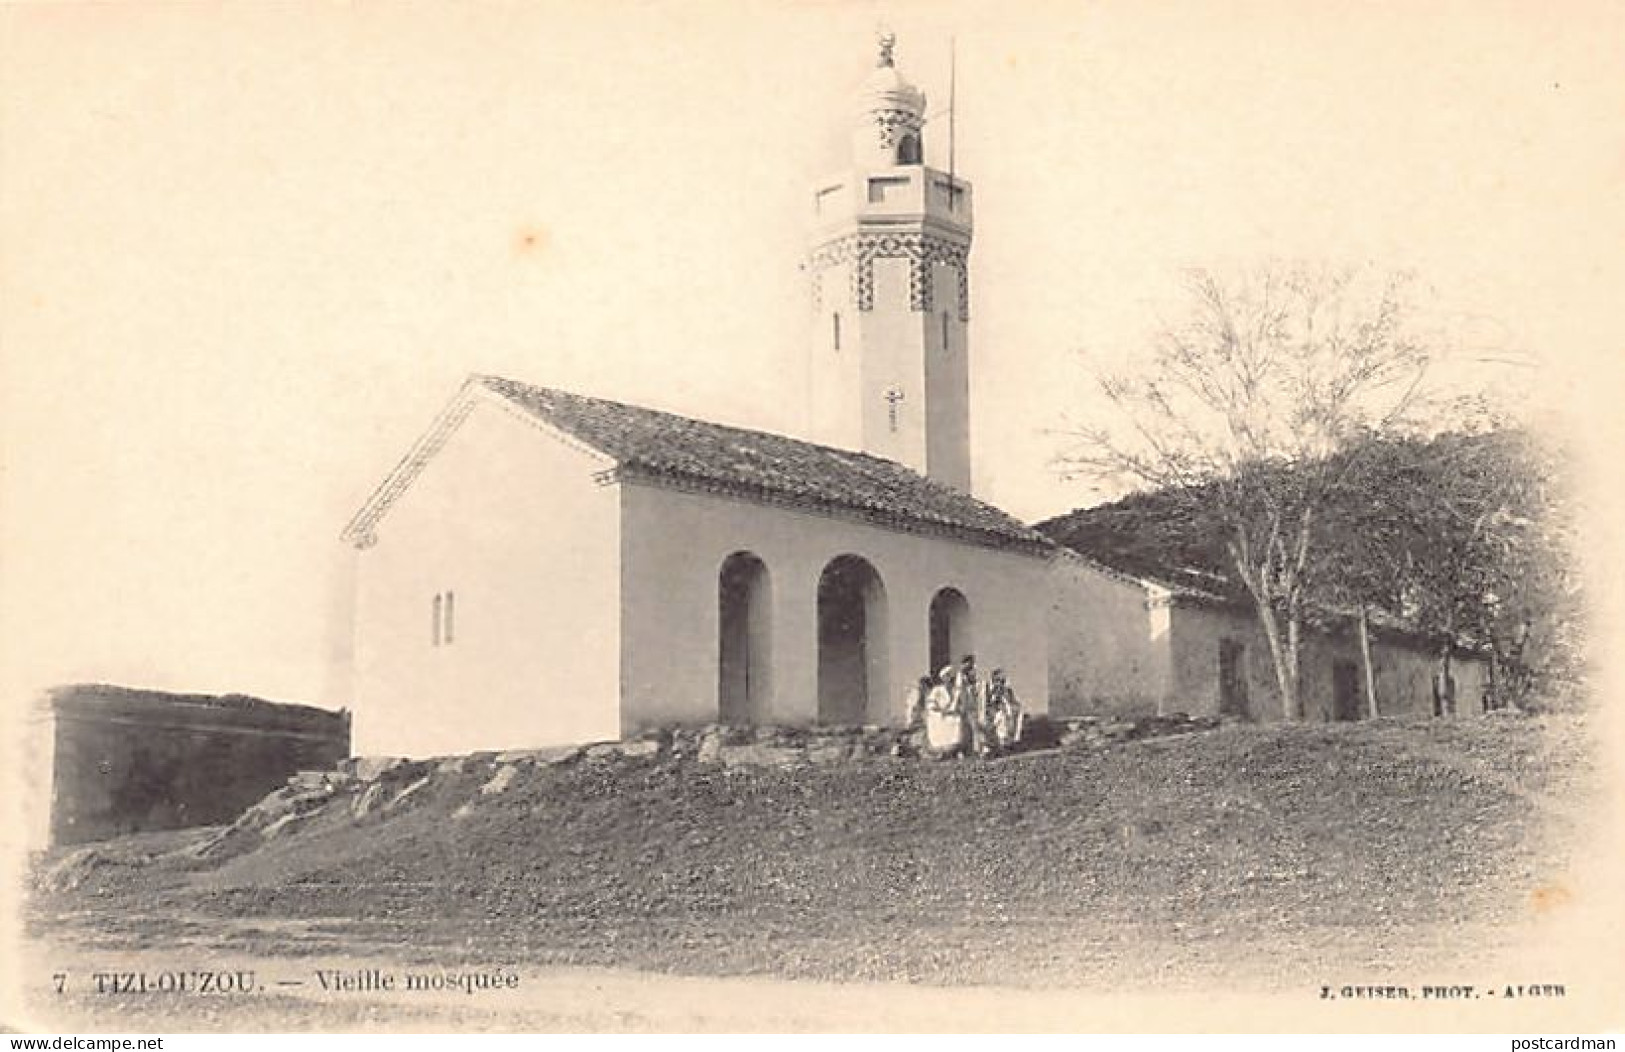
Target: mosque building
544 567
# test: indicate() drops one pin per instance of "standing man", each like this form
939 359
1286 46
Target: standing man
973 703
1005 711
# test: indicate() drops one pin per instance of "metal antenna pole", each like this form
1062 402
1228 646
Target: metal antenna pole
953 187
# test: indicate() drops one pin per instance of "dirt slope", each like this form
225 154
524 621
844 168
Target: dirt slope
1252 853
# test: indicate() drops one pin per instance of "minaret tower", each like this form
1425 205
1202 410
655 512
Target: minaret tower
889 370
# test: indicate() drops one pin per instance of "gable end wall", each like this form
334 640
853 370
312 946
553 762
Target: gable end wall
508 518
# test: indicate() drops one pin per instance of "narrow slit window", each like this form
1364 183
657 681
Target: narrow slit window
945 330
451 616
434 631
835 329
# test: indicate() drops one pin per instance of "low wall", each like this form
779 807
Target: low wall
126 761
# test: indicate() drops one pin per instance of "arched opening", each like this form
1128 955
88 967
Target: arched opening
908 150
745 641
950 627
852 674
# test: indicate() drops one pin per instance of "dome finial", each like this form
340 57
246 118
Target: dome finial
887 40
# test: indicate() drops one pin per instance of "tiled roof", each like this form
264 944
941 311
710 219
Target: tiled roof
1142 537
1153 538
682 450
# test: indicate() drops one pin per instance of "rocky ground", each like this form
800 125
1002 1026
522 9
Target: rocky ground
1168 855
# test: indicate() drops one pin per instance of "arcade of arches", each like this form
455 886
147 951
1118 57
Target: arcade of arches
855 684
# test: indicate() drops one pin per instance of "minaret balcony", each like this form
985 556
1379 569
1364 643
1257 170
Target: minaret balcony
912 194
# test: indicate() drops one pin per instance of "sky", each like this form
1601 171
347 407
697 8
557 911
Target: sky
248 250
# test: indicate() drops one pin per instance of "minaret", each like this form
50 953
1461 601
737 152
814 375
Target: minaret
889 370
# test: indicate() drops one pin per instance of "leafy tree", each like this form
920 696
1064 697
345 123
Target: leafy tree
1472 537
1463 537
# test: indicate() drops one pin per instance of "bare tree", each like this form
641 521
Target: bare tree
1246 404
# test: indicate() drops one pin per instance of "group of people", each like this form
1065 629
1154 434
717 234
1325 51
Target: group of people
963 714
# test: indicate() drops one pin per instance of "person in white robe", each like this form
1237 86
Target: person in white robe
944 718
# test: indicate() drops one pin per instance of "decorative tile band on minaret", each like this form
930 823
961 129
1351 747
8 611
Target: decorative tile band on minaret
921 250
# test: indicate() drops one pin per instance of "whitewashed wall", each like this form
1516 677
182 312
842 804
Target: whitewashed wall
673 547
1109 647
1197 634
1403 671
508 518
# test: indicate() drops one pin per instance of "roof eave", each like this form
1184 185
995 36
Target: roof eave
692 483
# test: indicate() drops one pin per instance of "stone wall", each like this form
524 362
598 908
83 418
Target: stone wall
126 761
